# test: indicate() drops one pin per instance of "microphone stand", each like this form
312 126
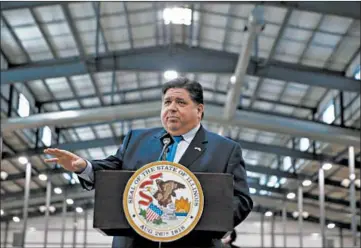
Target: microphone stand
166 142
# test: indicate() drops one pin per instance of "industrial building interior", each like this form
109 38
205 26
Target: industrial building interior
79 75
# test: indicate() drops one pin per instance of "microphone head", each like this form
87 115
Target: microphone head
166 141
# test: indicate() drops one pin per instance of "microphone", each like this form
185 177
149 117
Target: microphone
166 142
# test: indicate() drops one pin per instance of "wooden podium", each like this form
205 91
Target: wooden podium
216 220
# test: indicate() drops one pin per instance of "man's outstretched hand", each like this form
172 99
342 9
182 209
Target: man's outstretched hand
69 161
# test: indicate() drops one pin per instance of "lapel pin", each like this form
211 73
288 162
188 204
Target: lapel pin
198 148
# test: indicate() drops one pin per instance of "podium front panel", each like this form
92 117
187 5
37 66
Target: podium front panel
110 219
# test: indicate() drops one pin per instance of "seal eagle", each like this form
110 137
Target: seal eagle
166 189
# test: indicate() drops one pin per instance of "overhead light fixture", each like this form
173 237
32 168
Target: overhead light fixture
306 183
79 210
331 225
305 215
291 195
23 160
328 115
58 191
268 214
252 190
43 177
287 163
272 181
2 212
295 214
170 74
233 79
42 209
176 15
69 201
46 136
345 182
52 209
263 180
304 144
3 175
283 180
352 176
75 177
263 192
66 176
271 184
326 166
16 219
358 73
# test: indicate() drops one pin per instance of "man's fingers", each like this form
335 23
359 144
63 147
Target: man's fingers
51 160
53 151
57 152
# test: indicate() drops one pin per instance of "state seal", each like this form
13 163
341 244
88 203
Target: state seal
163 201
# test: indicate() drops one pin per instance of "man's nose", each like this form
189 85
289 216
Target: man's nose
172 107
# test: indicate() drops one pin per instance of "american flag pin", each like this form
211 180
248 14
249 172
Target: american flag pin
198 148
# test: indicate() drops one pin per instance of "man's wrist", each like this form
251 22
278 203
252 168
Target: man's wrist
81 170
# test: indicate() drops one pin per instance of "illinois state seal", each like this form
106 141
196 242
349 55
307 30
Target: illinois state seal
163 201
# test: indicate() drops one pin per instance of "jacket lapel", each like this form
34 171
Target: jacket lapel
152 149
157 149
195 149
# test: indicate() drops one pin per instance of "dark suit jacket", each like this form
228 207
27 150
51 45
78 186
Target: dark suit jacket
218 154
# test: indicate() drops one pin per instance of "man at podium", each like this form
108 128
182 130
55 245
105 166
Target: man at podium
192 146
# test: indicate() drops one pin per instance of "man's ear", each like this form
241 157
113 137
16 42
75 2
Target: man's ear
200 108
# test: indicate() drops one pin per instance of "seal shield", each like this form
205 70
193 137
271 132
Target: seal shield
163 201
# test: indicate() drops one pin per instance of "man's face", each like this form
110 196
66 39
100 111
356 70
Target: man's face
179 113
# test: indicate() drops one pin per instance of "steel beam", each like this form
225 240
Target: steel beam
283 191
311 218
26 203
345 9
182 59
284 224
256 168
13 200
130 111
70 146
352 177
279 173
243 118
248 145
271 54
284 151
158 87
258 209
340 8
63 220
322 197
25 4
234 93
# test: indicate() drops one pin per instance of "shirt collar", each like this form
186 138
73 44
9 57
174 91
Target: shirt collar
188 137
